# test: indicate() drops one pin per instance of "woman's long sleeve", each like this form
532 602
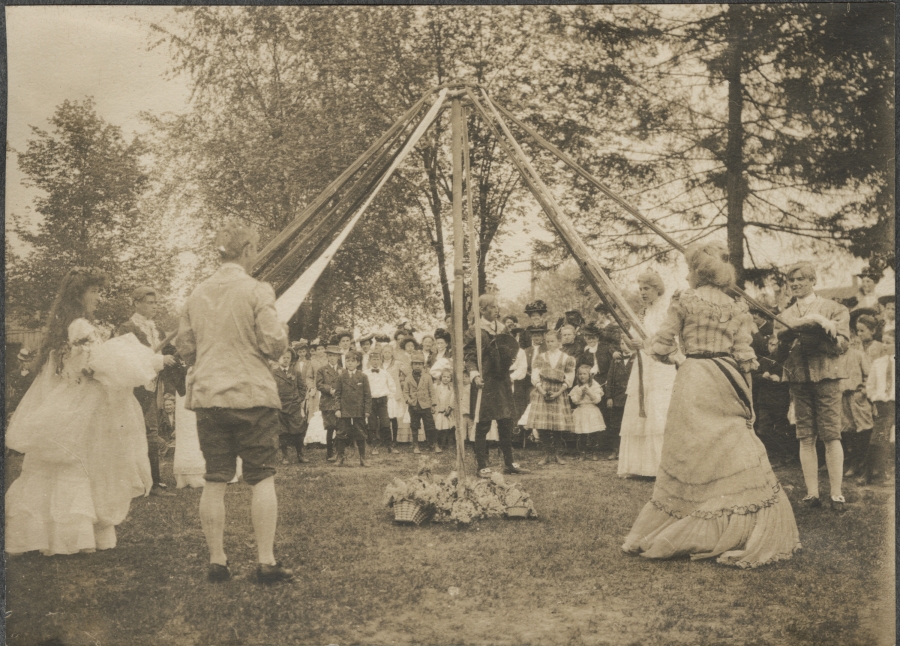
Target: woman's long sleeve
665 341
742 351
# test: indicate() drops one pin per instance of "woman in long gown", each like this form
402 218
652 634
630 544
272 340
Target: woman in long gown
81 430
641 443
715 494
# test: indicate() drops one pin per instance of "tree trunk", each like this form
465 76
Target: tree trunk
734 152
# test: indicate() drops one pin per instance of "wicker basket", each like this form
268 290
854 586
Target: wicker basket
409 512
517 512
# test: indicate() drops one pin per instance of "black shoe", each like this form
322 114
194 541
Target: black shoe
839 505
515 469
811 502
218 573
158 490
272 573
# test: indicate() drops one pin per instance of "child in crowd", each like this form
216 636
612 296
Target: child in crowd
616 393
167 425
856 428
445 400
880 390
397 409
292 393
866 331
354 406
418 390
326 383
467 420
586 394
551 413
773 399
383 389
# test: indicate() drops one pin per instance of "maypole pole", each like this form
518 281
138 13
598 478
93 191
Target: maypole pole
456 139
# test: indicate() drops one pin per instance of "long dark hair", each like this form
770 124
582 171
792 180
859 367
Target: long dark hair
68 306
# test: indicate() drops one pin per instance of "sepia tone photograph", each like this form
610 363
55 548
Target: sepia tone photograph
450 325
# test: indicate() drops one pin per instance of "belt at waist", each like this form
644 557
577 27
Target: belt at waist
375 399
708 355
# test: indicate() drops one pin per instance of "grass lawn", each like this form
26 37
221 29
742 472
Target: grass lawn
361 579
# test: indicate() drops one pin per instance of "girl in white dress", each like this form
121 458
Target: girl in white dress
81 430
445 400
586 395
640 449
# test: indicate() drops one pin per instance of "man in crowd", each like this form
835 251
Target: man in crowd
819 334
227 331
498 352
143 327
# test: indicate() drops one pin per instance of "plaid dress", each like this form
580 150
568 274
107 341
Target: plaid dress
553 415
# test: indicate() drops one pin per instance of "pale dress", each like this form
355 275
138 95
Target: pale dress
444 398
588 418
641 443
715 494
85 446
189 467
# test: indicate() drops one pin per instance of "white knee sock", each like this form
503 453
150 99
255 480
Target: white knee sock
809 462
264 513
212 519
834 459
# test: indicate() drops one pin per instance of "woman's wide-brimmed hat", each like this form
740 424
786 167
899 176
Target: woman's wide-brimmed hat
536 307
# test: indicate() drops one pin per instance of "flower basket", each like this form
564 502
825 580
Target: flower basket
409 512
517 512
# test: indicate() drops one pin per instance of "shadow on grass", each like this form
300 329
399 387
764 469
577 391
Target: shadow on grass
361 579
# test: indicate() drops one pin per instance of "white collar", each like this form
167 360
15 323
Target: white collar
142 321
591 349
494 326
809 298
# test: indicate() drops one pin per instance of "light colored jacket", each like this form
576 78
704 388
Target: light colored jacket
823 356
227 331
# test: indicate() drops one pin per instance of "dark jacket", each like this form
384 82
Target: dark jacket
617 380
498 352
354 396
291 396
326 379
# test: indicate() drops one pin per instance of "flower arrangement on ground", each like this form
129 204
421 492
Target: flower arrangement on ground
462 502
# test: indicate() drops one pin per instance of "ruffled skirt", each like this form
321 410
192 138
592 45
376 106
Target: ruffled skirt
84 462
715 493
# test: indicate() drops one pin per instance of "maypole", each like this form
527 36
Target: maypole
456 145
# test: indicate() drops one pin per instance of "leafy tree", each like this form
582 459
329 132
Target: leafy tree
770 123
91 181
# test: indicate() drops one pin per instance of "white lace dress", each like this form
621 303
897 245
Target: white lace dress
640 448
82 432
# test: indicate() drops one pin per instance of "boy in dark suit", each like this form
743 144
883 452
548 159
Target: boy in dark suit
614 394
292 393
326 384
354 406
